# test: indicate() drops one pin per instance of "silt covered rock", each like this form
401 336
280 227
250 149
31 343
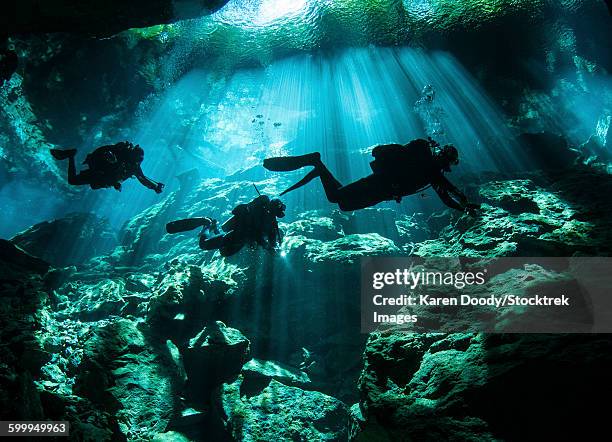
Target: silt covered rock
69 240
213 356
280 412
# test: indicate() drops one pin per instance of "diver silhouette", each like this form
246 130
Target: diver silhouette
254 223
398 171
109 166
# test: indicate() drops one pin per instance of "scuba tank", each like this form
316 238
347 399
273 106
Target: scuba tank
394 160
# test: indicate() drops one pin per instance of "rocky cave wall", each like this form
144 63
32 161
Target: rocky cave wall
530 57
148 338
158 340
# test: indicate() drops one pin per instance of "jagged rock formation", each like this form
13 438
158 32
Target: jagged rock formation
294 414
69 240
213 356
158 339
121 372
22 291
100 18
482 387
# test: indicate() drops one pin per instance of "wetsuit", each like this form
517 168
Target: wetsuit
398 171
252 223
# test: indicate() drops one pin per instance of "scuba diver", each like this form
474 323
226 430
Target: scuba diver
254 223
109 166
398 171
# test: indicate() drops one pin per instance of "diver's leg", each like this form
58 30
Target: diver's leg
228 244
62 154
77 179
214 243
330 184
73 178
71 170
231 249
362 193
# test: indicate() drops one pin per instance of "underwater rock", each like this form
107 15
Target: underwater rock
214 356
140 235
412 229
176 289
517 197
547 151
16 261
371 218
350 248
70 240
122 373
90 302
169 295
23 294
356 422
170 436
190 292
98 17
441 387
257 374
294 414
188 180
314 225
525 218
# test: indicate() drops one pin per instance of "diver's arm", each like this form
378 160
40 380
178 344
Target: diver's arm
271 241
157 187
452 189
275 235
444 188
447 199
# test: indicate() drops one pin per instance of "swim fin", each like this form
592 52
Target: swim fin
308 178
184 225
286 164
62 154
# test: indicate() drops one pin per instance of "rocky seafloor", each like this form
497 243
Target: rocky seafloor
138 335
148 338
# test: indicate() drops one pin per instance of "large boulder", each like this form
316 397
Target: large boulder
22 295
213 356
122 373
483 387
556 215
68 241
16 262
281 412
546 150
258 373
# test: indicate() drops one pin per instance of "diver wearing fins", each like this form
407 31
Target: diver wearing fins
254 223
109 166
398 171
